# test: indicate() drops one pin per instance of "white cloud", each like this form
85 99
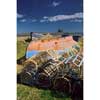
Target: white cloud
45 17
77 20
23 20
19 15
43 20
54 3
34 20
63 17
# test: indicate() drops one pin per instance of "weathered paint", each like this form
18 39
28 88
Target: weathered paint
31 53
59 44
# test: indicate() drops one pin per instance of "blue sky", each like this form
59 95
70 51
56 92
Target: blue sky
49 15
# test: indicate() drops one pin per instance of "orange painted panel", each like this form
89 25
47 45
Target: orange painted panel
54 44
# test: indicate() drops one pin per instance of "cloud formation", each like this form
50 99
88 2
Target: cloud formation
77 20
62 17
19 15
23 20
54 3
43 20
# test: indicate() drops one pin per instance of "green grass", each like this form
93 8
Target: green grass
32 93
21 48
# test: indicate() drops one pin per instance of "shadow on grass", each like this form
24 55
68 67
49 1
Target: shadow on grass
21 60
18 79
28 40
58 94
78 95
53 93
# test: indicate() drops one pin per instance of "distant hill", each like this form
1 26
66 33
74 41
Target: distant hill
23 34
39 34
67 33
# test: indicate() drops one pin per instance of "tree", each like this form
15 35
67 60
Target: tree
60 30
31 35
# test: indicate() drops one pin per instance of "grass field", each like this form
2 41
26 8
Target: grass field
32 93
